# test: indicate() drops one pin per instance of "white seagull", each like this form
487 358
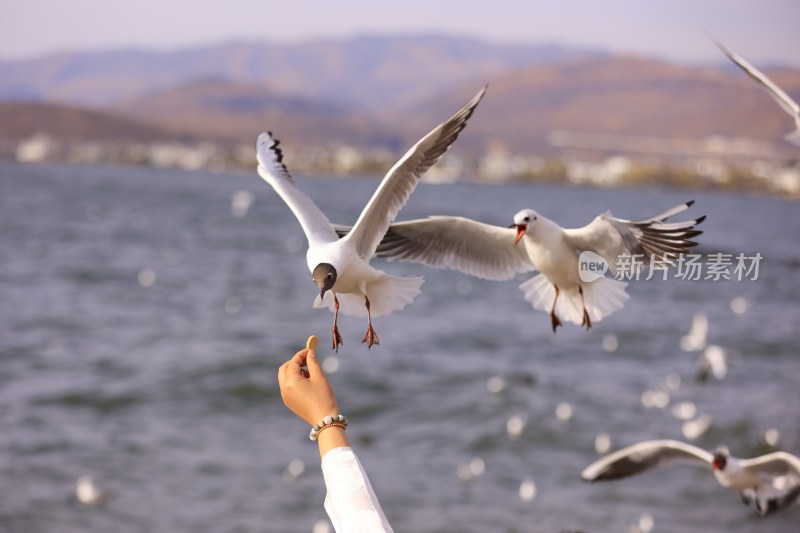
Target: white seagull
489 252
772 481
714 361
784 100
340 267
697 337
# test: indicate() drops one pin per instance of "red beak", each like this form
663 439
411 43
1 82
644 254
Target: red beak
521 229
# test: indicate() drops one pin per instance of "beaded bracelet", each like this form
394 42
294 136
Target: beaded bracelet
335 420
334 425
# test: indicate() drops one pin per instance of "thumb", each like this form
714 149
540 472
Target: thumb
314 368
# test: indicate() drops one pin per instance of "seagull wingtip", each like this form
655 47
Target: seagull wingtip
719 45
266 141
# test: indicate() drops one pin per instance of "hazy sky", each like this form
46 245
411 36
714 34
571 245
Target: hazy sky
763 31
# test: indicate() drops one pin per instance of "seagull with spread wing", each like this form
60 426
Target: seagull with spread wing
779 95
771 481
534 242
340 267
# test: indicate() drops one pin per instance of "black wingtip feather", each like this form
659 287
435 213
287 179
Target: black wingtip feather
274 148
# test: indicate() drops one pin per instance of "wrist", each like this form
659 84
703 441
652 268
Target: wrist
327 422
319 414
330 433
332 438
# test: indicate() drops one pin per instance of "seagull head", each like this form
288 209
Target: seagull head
522 221
325 277
720 459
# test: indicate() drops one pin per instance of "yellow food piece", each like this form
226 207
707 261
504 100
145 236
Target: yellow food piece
312 342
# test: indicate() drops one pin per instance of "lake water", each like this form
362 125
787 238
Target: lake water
142 325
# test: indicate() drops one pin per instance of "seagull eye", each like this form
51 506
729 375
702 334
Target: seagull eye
329 275
527 219
534 218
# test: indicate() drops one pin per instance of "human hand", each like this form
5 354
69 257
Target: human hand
307 393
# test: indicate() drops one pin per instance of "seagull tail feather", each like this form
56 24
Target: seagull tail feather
386 295
601 297
604 297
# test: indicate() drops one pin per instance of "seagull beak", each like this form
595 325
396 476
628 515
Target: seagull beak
322 294
521 229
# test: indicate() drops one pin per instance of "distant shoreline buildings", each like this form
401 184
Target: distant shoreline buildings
713 162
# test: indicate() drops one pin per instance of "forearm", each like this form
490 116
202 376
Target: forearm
333 437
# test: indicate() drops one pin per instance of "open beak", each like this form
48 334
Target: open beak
521 229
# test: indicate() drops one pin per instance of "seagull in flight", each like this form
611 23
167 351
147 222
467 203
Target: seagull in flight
534 242
771 481
777 94
340 267
697 337
714 361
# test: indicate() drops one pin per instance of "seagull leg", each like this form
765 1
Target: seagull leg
337 339
371 337
553 318
586 320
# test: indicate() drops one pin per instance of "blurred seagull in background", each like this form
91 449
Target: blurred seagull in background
493 252
340 267
714 361
770 481
783 99
697 337
87 493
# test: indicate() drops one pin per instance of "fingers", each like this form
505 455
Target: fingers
314 368
292 369
299 358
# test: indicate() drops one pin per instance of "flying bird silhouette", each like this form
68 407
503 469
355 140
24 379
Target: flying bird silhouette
340 267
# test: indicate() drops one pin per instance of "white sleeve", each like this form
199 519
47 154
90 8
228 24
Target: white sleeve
350 502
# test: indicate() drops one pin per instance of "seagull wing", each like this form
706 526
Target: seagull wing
783 99
474 248
402 179
316 225
612 237
774 464
642 457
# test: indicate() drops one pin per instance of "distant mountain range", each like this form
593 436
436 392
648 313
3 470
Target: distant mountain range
383 91
369 72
